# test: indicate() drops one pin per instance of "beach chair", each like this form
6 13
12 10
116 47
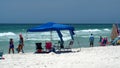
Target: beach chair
1 54
69 47
48 46
39 47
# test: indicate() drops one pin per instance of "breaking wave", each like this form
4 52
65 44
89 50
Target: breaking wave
95 30
48 35
7 34
91 30
106 29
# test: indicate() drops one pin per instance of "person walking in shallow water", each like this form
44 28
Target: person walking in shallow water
21 44
91 40
11 46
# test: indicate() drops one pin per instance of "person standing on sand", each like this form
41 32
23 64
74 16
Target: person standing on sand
21 44
100 41
91 40
11 46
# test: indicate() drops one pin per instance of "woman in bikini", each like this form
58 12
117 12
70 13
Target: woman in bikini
21 44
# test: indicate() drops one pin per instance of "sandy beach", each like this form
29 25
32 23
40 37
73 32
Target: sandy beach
96 57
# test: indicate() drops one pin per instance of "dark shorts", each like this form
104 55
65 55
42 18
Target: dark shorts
91 43
11 46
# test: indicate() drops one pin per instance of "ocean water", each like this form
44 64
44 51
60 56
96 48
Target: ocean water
82 33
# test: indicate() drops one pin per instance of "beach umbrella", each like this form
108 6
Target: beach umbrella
115 32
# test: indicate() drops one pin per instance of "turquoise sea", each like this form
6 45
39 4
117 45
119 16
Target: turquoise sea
82 33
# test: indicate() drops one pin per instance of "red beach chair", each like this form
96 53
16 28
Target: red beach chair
48 46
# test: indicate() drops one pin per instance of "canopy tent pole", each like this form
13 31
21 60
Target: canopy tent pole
51 36
78 44
60 35
26 35
71 34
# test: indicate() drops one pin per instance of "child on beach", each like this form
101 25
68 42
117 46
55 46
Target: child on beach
11 46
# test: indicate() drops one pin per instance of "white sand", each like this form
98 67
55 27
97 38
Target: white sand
96 57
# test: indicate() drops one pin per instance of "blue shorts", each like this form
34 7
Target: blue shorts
11 46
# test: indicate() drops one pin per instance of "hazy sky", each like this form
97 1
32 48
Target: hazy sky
61 11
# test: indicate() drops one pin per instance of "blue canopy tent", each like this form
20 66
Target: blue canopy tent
51 26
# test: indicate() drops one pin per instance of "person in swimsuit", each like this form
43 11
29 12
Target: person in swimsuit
11 46
21 44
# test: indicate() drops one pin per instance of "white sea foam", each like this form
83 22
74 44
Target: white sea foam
89 36
91 30
7 34
48 35
106 29
48 38
86 31
37 39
